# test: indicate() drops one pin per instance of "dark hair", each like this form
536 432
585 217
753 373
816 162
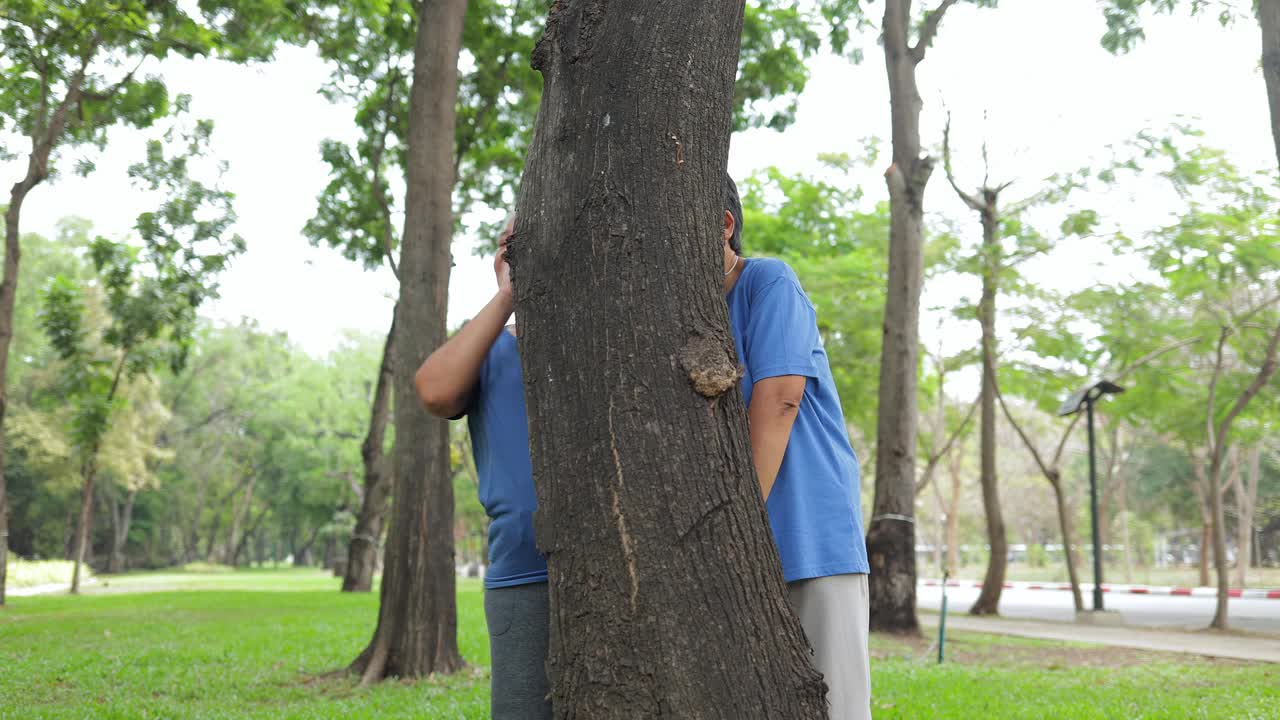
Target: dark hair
734 205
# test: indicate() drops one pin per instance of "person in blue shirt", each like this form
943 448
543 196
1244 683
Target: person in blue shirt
808 475
808 472
477 374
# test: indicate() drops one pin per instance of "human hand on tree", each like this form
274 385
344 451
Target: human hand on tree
501 269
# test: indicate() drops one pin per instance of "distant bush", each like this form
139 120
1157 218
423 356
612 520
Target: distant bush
30 573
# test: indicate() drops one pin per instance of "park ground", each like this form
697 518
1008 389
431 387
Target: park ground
259 644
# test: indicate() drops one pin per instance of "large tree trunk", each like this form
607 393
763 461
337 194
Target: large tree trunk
667 597
417 617
1068 546
362 554
988 602
1269 17
891 532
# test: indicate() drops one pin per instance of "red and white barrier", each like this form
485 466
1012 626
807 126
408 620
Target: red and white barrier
1248 593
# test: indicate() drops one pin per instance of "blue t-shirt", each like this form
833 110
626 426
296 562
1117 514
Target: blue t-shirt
500 443
815 506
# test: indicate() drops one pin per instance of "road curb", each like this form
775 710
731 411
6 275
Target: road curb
1245 593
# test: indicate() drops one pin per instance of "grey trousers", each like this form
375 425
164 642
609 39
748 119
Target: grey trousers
519 623
835 613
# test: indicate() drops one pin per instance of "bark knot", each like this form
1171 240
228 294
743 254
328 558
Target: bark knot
710 365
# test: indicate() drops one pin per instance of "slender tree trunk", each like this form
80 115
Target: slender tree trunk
417 617
953 517
362 553
988 602
1123 480
1269 17
211 544
1068 544
89 474
237 520
1246 504
252 534
302 555
1206 521
1218 535
121 518
663 577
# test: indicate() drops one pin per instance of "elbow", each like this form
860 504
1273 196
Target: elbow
434 395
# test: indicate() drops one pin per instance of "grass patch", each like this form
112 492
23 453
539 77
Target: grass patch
33 573
256 644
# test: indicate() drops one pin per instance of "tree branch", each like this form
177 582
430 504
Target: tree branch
931 22
969 200
936 457
1264 375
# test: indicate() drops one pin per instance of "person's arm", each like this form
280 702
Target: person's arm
447 377
775 402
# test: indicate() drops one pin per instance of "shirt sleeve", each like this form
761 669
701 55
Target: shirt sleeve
781 332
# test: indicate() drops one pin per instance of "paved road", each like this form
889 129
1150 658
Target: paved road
1182 613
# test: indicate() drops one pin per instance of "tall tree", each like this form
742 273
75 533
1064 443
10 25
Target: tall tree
417 615
70 70
1008 240
662 573
1124 32
891 530
152 295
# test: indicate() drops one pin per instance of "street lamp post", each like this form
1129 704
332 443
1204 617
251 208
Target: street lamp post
1086 397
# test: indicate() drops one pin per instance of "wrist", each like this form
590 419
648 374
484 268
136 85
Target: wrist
505 300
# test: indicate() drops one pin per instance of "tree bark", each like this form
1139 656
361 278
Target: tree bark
1269 18
663 574
362 553
417 616
891 532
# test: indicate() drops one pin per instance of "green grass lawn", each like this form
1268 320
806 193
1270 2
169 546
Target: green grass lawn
255 644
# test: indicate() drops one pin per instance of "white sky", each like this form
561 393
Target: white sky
1052 96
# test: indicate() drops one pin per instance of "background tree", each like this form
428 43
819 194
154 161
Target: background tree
891 528
641 557
152 295
417 616
70 72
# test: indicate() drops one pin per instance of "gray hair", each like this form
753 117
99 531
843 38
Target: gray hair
734 205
